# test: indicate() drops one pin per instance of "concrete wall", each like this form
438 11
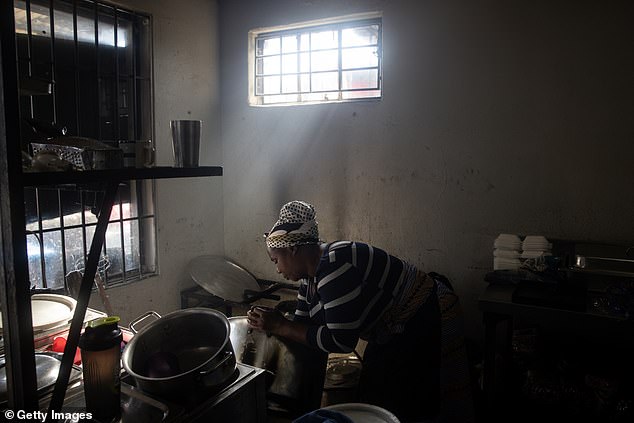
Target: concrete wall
189 211
497 116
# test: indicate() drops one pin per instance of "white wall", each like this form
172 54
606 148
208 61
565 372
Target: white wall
189 211
497 117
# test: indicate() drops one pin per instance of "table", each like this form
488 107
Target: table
497 307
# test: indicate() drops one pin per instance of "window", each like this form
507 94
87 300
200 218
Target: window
327 61
97 58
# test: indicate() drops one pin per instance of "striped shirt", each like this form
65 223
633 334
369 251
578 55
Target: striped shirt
354 285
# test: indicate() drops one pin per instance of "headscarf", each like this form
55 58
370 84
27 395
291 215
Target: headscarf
295 226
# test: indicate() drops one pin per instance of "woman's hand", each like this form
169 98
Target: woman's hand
266 319
273 322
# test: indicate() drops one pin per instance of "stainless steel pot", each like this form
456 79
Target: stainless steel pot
297 371
180 352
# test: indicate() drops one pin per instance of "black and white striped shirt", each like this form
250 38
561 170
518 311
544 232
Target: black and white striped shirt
354 285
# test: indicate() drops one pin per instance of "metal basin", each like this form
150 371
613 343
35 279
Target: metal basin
297 371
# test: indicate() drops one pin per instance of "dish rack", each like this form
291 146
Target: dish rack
82 153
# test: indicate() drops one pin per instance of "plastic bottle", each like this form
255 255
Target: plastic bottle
100 346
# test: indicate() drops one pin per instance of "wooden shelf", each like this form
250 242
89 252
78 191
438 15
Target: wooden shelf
31 179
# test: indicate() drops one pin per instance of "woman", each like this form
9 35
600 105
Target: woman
414 364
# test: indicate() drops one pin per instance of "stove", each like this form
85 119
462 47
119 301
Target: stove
240 399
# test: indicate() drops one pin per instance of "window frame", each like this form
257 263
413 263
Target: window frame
337 23
132 118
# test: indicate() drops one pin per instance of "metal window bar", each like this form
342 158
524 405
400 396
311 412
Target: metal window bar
62 232
379 51
298 42
339 27
40 235
281 55
122 237
52 31
136 125
264 56
88 225
83 227
40 238
317 28
310 62
339 65
97 87
29 48
75 65
104 247
115 98
291 73
135 81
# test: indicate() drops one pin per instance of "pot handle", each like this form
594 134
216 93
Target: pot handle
227 356
141 318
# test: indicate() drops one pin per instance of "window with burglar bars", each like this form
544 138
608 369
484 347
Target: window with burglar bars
307 63
97 59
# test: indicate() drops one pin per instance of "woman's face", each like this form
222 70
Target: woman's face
287 262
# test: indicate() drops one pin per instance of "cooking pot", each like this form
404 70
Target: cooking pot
181 352
297 371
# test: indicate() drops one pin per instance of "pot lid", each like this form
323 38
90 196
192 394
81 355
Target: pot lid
50 310
222 278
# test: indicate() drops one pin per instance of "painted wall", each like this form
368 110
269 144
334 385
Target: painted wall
497 117
189 211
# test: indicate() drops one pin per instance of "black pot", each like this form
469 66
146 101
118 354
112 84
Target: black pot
181 352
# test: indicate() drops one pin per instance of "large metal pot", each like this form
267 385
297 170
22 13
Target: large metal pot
297 371
181 352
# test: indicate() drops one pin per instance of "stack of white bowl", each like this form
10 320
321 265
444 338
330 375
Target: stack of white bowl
506 252
535 246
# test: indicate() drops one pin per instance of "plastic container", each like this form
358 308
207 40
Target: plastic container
100 346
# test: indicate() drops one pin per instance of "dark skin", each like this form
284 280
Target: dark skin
293 263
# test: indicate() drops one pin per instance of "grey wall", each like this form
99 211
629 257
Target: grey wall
189 211
497 116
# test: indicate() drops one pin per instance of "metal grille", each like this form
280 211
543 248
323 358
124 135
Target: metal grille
93 61
334 62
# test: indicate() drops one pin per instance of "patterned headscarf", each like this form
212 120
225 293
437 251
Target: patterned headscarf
295 226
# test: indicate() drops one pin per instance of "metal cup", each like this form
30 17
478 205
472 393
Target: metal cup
186 142
138 154
145 153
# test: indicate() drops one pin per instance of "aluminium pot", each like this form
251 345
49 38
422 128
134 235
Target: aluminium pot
296 372
180 353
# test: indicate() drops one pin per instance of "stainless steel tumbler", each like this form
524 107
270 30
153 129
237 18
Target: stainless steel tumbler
186 142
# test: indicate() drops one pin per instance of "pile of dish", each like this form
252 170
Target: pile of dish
506 252
535 246
510 251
